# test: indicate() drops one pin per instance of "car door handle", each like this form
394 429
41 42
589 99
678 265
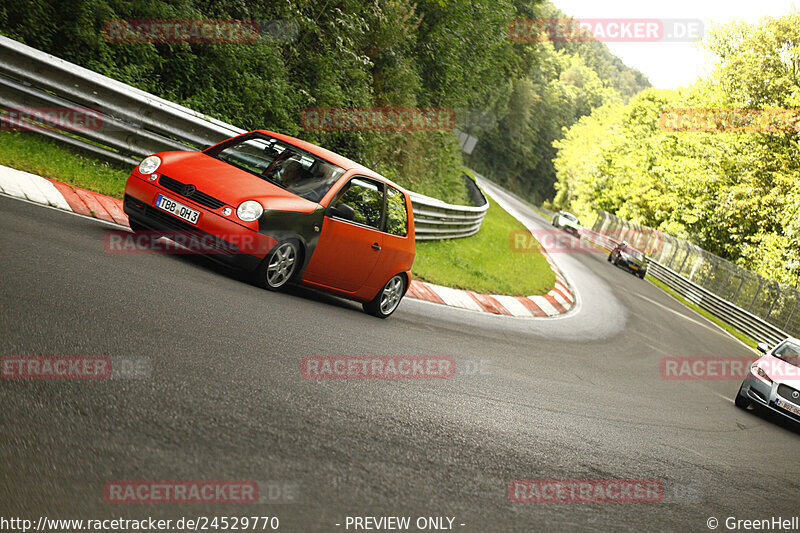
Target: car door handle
376 246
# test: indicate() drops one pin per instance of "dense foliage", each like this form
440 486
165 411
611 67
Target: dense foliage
357 53
734 193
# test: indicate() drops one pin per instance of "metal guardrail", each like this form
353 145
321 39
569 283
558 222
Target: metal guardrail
434 219
742 320
135 124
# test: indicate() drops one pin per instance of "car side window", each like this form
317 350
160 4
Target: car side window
366 199
396 213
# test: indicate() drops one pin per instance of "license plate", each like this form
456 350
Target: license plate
178 209
634 267
792 408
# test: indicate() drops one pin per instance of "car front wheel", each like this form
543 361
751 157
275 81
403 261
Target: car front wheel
280 265
741 401
388 298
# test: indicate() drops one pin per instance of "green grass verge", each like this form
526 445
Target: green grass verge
485 262
724 325
35 154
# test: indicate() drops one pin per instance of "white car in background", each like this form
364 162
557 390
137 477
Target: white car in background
568 222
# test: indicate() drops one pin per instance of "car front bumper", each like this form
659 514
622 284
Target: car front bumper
636 268
571 230
764 395
223 240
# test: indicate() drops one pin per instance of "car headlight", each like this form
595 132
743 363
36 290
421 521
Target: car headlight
149 165
249 210
761 374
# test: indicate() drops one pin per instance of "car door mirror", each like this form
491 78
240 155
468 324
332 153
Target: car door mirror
342 211
762 347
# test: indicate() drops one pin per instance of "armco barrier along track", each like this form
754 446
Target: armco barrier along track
745 322
135 124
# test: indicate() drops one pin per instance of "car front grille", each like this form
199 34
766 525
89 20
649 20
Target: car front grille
785 391
192 193
165 221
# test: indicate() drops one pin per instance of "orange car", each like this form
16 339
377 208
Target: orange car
287 210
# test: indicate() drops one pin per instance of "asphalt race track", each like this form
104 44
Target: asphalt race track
575 397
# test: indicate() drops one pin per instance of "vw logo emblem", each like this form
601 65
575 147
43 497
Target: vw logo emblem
796 395
188 190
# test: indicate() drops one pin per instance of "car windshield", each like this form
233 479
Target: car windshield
789 352
570 217
281 163
633 252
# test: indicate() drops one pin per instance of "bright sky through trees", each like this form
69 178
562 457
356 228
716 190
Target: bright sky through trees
673 64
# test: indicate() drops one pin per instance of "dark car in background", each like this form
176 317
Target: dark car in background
626 256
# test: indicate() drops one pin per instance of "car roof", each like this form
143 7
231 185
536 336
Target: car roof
331 157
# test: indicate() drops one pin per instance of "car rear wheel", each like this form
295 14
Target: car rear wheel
609 258
641 274
280 266
741 400
388 298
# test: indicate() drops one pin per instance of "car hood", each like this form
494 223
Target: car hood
228 183
780 371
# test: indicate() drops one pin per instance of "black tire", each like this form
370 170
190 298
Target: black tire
388 298
280 266
641 274
135 226
609 258
741 401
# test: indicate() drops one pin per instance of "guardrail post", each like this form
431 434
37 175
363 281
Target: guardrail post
688 250
739 288
676 247
774 301
796 300
758 290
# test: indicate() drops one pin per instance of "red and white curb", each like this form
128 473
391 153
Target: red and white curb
556 302
44 191
40 190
